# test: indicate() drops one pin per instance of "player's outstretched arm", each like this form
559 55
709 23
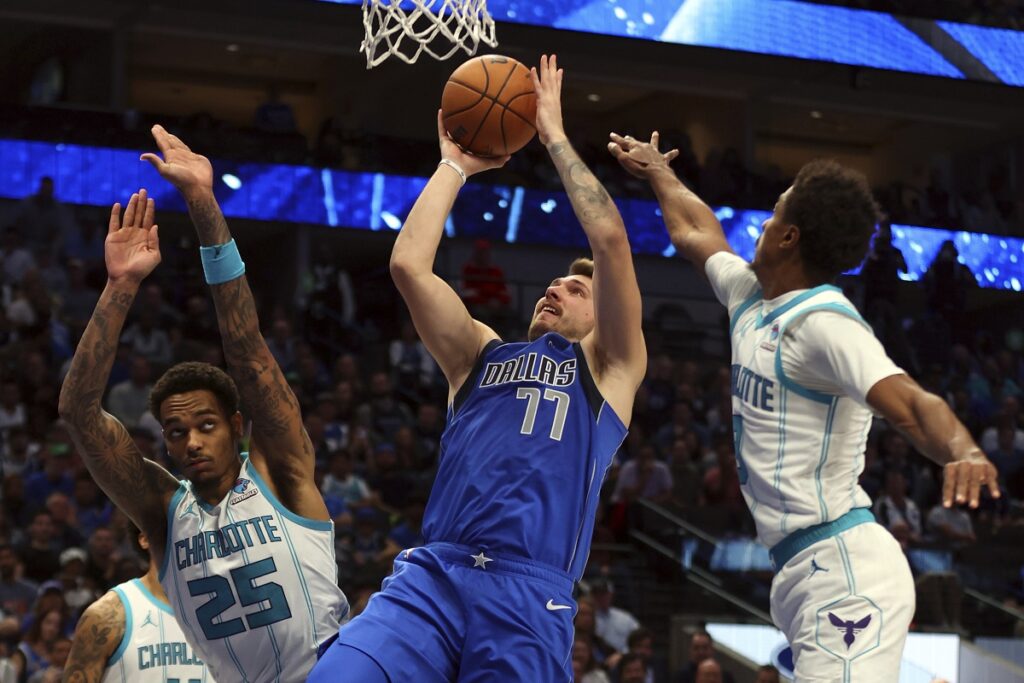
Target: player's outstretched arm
280 445
444 324
692 225
933 428
97 636
138 486
618 339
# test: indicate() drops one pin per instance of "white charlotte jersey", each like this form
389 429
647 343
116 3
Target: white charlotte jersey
153 647
253 585
799 451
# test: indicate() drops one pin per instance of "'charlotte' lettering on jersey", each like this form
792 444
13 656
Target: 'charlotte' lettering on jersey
752 388
167 654
530 367
230 539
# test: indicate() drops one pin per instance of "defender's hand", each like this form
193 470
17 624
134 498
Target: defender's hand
640 159
132 247
963 479
183 168
547 83
470 163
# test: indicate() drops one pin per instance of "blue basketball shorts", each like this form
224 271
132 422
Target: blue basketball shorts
449 613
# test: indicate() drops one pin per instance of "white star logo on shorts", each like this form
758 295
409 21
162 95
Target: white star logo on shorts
481 560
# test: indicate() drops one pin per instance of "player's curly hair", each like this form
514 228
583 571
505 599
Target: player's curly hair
836 213
192 376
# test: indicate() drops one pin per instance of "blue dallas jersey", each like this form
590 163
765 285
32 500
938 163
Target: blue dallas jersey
528 441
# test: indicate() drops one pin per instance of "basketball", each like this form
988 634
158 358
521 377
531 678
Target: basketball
488 106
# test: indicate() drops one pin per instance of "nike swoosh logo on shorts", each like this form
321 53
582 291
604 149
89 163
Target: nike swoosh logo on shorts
552 607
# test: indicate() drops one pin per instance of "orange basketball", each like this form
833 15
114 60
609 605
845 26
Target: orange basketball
489 107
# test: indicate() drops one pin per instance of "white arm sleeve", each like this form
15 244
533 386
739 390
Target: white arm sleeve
835 354
731 278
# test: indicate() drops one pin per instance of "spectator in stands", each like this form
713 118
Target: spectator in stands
127 400
483 282
660 388
644 477
389 481
386 414
282 343
12 408
77 593
585 668
38 554
632 669
702 648
896 512
641 642
612 624
586 630
881 278
408 532
428 429
412 366
16 259
275 115
951 525
947 282
44 219
20 452
147 340
36 648
59 652
16 593
100 566
65 526
1010 416
709 671
342 482
80 300
767 674
721 486
1008 458
683 421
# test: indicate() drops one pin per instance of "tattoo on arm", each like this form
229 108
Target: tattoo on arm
268 399
108 450
96 637
592 203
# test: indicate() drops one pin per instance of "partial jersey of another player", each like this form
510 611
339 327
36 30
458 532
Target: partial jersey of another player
129 635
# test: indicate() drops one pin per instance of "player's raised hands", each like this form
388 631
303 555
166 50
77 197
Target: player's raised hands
470 163
182 167
132 246
547 83
963 479
640 158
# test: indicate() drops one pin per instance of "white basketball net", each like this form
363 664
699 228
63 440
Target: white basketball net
408 28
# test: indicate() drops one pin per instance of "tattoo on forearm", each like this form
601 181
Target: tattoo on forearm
591 201
209 221
108 450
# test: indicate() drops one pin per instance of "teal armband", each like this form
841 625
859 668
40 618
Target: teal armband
221 263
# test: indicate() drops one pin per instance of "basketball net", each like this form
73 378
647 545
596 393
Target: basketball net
408 28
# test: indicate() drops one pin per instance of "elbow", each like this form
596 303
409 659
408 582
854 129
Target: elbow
403 268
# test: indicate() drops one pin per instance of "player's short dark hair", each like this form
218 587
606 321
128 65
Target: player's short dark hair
836 213
193 376
582 266
638 635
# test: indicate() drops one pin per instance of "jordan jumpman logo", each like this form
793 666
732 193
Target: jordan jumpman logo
815 567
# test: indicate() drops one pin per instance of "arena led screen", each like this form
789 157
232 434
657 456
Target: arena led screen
788 28
377 201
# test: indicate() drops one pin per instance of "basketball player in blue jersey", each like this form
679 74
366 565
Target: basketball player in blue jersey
807 376
532 427
129 635
245 543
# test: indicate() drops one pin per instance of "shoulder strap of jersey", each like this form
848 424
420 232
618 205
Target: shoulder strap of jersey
795 387
127 636
467 386
594 398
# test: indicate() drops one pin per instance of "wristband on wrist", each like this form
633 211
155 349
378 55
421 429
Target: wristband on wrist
221 263
455 167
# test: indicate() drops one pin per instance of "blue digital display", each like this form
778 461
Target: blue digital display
99 176
999 49
786 28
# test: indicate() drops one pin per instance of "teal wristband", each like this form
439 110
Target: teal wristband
221 263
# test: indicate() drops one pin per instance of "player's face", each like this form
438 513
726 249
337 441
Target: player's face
772 230
567 308
200 438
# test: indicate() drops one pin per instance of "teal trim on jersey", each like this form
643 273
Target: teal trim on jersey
847 565
128 624
825 443
742 308
172 508
778 461
163 606
314 524
786 549
302 580
795 301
